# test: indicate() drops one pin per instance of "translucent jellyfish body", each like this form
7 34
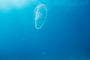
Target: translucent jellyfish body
40 13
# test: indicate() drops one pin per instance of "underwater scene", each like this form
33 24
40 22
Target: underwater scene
44 29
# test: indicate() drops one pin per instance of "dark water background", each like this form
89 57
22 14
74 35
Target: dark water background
64 36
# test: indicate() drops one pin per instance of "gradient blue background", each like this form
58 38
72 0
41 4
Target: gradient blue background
64 36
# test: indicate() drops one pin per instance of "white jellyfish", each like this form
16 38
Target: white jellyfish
40 15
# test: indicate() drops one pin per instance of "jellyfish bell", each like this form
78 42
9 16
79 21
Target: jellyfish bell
40 13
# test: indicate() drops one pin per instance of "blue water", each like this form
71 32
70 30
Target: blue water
64 36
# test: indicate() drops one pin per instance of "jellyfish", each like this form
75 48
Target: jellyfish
40 15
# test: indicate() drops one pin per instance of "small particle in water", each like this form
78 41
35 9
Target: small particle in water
23 39
43 53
